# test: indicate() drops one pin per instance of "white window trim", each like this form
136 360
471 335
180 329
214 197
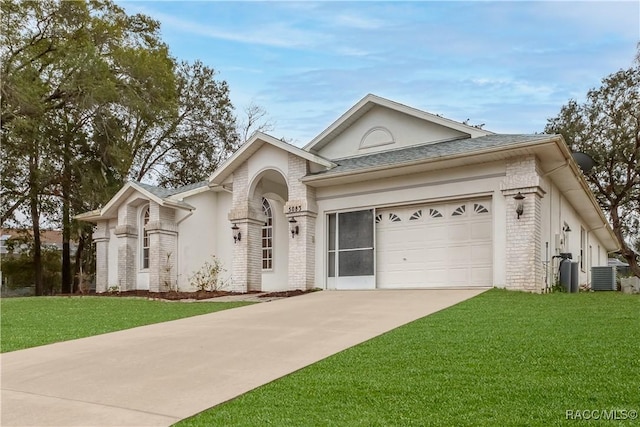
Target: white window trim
268 211
145 215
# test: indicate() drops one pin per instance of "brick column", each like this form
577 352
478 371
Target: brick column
524 269
302 206
163 249
127 249
247 256
247 253
101 239
127 234
301 252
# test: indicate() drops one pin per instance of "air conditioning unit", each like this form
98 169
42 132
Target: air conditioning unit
603 278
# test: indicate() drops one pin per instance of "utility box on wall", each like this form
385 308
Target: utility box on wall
603 278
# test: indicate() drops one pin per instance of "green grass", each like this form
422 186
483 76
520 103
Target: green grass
500 359
31 322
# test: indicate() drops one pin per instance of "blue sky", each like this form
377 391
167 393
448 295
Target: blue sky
510 65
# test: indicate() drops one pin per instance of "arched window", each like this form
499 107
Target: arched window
267 236
145 238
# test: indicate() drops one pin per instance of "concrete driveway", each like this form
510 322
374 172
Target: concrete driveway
159 374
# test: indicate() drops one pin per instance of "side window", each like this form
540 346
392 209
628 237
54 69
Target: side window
145 238
267 236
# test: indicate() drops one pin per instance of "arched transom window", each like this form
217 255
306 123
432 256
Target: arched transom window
267 236
145 238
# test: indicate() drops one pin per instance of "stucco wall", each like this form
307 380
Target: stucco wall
203 233
557 212
406 130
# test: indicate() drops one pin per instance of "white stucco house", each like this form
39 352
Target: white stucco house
388 196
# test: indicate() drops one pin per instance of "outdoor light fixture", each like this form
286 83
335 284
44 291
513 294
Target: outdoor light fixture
566 229
519 204
293 226
237 236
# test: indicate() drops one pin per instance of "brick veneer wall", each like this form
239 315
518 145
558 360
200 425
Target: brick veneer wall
163 232
101 238
127 234
524 269
247 214
302 246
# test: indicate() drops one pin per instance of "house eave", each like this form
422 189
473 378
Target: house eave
467 158
90 216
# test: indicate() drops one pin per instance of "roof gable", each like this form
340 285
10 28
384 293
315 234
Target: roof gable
257 140
377 124
162 196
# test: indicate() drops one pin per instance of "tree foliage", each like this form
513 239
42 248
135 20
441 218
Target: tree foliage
90 97
607 127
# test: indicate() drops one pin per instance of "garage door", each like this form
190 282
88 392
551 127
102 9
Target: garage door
440 245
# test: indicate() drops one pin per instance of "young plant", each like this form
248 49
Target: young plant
207 278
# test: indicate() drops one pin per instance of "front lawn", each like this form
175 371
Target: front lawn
500 359
30 322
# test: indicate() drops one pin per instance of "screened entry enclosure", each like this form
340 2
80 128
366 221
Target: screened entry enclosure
351 255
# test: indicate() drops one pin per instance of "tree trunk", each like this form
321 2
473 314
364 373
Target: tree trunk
35 223
66 221
77 268
66 249
629 255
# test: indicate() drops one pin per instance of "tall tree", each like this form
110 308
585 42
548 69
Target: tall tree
90 97
183 145
63 65
607 127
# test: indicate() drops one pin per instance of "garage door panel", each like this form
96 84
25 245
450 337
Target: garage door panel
481 230
436 277
435 248
458 232
435 233
481 276
481 254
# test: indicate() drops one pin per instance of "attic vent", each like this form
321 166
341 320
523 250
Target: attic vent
603 278
376 137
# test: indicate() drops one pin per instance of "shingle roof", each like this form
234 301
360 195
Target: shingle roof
428 151
163 193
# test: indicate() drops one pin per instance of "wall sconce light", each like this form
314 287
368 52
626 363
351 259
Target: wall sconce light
237 236
293 227
519 204
566 229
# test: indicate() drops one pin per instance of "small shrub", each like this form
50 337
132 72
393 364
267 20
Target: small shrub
207 278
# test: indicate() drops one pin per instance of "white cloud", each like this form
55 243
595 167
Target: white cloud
273 34
360 22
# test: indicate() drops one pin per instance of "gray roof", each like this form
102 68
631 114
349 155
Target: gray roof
163 193
429 151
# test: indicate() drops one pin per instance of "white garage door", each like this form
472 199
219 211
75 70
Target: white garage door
440 245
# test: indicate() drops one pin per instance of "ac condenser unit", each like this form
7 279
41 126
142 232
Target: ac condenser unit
603 278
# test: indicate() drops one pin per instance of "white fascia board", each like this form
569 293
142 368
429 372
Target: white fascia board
91 216
299 152
189 193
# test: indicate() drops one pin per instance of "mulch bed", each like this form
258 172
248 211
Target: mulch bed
285 294
198 295
172 295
